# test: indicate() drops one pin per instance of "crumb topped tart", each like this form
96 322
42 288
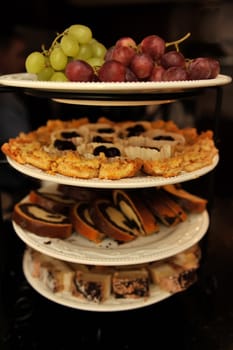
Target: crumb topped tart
112 150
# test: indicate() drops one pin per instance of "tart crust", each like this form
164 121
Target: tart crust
190 150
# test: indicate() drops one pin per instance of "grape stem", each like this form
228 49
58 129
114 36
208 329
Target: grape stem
177 42
47 52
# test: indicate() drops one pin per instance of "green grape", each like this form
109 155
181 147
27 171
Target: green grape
81 32
74 43
69 45
45 73
95 61
58 76
35 62
85 52
58 59
98 49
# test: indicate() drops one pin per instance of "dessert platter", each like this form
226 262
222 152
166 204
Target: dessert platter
115 288
110 305
126 152
169 241
138 181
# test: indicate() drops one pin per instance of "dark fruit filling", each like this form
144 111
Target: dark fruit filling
108 151
135 130
63 145
69 134
105 130
100 139
163 137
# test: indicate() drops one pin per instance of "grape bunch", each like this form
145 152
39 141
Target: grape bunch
154 60
76 56
74 44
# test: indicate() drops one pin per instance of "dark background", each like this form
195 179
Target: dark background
201 317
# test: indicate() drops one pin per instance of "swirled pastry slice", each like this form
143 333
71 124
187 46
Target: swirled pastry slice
55 201
83 223
167 210
135 210
188 201
110 220
42 222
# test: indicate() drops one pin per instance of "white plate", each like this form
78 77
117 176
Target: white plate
112 102
142 181
25 80
167 242
112 304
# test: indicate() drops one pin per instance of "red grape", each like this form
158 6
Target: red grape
123 54
112 71
95 77
79 70
126 41
175 74
214 66
156 73
153 45
142 65
199 68
129 75
108 54
172 59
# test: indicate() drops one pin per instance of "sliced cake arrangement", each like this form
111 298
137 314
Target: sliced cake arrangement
121 215
99 283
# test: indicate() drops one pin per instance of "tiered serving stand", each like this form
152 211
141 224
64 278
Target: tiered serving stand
170 241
